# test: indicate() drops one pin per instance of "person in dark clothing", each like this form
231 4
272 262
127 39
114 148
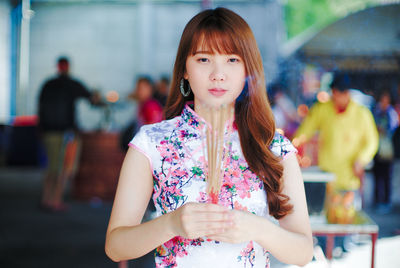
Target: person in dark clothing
58 128
387 122
162 88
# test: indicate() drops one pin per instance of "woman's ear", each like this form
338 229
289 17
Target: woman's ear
186 76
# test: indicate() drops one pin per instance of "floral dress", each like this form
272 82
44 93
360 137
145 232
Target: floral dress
175 149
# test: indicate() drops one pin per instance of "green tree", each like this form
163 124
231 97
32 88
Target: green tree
300 15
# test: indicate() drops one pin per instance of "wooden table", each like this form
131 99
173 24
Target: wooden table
100 162
363 224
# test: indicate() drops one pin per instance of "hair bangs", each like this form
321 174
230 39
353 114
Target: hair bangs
214 40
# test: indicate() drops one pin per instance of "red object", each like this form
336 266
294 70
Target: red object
25 121
214 197
150 112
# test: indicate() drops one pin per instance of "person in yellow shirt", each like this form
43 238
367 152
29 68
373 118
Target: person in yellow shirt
348 140
348 137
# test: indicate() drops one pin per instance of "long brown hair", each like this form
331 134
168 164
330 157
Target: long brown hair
225 32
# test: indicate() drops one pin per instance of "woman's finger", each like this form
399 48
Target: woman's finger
206 207
207 216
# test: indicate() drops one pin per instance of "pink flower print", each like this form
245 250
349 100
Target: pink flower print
233 163
173 248
179 173
169 261
247 249
238 206
248 254
248 175
182 134
243 189
173 190
170 243
234 172
166 257
228 183
225 197
203 198
174 180
196 242
181 252
167 151
164 206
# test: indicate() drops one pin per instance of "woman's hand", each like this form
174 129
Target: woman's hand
194 220
242 229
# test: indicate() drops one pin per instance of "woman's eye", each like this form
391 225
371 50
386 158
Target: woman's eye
233 60
203 60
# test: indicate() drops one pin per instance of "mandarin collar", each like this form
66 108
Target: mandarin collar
194 120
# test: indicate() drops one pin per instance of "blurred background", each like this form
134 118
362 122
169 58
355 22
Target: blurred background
110 45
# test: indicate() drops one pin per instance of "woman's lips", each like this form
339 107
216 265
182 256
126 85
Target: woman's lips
217 91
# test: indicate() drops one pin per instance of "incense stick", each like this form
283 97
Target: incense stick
216 117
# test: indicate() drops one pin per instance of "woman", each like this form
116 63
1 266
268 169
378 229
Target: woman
217 64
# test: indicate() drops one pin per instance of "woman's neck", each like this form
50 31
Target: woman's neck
214 114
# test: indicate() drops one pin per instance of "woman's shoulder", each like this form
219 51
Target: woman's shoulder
157 130
281 145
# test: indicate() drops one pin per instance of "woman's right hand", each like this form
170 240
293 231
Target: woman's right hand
194 220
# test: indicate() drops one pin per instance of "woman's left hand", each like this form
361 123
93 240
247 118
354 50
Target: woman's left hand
243 228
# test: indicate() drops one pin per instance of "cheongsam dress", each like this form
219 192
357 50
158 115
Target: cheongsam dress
175 149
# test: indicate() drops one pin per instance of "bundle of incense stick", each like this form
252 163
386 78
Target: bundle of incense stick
216 118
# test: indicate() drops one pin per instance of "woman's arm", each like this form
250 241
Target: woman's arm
127 238
291 241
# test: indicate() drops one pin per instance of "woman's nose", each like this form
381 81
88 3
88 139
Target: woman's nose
217 73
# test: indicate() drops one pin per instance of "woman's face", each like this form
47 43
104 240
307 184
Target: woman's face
144 91
215 79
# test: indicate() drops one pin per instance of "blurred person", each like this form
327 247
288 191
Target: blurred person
162 87
347 142
59 132
284 110
348 137
149 109
396 134
387 122
361 98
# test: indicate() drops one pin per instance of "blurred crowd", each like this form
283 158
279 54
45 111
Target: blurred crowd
345 131
59 131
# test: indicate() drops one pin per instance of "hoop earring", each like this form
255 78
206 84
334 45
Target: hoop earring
182 88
